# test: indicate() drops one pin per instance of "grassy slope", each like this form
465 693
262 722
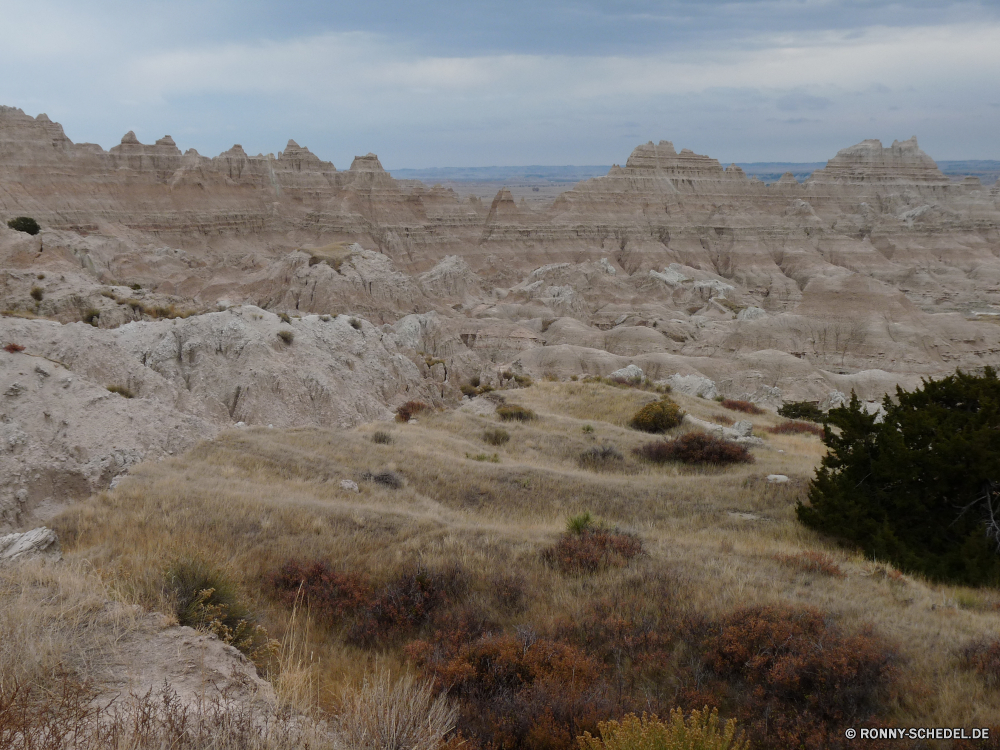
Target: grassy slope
251 499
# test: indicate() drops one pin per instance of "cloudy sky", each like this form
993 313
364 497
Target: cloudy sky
512 82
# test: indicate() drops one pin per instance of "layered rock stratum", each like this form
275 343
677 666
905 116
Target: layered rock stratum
277 289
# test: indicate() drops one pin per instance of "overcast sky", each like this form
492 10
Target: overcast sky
512 82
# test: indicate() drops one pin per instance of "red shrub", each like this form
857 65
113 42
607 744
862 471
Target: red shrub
797 428
406 603
744 406
13 348
724 419
592 550
409 410
328 594
796 679
519 692
695 448
984 658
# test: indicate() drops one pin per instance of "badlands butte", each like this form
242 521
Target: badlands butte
279 290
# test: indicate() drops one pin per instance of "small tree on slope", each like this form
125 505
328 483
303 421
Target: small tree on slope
922 488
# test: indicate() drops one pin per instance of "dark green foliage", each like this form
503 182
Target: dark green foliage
920 488
802 410
382 437
24 224
37 293
658 416
189 581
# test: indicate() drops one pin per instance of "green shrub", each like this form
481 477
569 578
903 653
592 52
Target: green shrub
580 523
513 412
493 458
381 437
285 318
92 316
700 731
37 293
658 416
205 599
24 224
286 335
921 487
121 390
497 437
355 324
806 410
587 429
696 448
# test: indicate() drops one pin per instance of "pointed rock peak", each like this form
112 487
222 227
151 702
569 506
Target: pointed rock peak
367 163
292 145
734 171
910 144
667 146
788 179
129 138
236 150
192 152
43 118
166 141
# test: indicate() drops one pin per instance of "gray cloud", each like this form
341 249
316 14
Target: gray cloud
445 84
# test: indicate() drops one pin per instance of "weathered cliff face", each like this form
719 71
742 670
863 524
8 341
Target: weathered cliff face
875 270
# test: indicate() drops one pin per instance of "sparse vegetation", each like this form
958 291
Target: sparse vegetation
391 479
509 377
746 407
641 384
813 562
12 348
286 335
588 429
658 416
92 316
451 575
37 293
497 436
121 390
696 448
24 224
493 458
355 324
382 437
515 413
601 458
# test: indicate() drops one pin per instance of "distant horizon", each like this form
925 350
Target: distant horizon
523 82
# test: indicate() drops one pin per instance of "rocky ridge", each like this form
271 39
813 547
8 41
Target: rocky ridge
165 272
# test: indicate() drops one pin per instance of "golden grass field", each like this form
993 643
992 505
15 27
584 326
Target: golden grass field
720 538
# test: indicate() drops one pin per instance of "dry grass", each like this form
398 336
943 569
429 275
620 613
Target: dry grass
252 499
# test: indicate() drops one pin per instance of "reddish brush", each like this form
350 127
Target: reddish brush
744 406
13 348
696 448
592 550
797 428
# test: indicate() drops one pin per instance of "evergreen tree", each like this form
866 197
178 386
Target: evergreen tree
24 224
920 488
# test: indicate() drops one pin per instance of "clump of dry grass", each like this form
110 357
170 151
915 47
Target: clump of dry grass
385 714
746 407
812 562
796 428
